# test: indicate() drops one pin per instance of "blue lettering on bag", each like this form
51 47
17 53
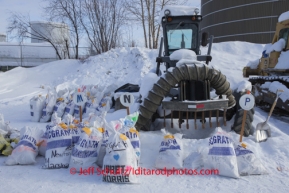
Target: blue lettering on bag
83 154
67 109
25 143
221 151
172 147
241 151
135 144
59 143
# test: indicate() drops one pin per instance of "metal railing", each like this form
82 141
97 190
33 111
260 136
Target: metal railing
26 55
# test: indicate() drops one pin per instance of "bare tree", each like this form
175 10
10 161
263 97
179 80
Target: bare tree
102 20
146 12
21 27
67 11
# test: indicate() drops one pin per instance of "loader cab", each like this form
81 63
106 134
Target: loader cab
181 32
181 36
284 33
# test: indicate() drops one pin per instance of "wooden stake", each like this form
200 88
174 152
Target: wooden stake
217 118
187 119
243 125
172 122
80 113
210 117
164 118
195 120
224 117
127 110
203 119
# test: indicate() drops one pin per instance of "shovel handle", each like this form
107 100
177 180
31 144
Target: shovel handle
272 108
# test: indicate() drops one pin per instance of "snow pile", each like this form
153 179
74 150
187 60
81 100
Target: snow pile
274 86
244 85
283 61
284 16
183 54
147 84
178 10
131 65
277 46
253 64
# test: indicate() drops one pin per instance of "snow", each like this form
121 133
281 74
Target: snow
274 86
133 65
283 61
268 48
183 54
253 64
177 10
277 46
284 16
147 83
244 86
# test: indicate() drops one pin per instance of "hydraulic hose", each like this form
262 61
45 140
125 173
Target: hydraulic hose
183 72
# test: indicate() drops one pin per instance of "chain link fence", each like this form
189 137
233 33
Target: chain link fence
28 55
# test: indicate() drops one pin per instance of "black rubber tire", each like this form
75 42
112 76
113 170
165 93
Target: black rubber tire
247 128
239 116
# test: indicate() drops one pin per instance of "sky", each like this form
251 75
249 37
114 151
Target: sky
34 8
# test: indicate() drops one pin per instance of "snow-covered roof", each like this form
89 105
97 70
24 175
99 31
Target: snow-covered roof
284 16
49 23
2 34
177 10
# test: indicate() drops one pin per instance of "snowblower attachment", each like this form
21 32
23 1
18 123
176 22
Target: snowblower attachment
188 84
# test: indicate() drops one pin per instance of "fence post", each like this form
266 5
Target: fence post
21 53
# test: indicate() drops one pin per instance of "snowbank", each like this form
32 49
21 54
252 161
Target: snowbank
131 65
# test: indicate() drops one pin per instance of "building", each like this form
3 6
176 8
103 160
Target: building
57 33
242 20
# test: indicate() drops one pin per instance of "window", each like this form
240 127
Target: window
181 36
284 34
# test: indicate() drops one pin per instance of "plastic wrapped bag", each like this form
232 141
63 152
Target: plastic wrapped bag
26 150
130 131
37 104
49 105
85 152
222 155
119 160
171 152
59 146
248 163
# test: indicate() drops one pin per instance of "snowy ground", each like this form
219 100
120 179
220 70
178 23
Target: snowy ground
118 67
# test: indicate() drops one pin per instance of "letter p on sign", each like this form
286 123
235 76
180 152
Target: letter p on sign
247 102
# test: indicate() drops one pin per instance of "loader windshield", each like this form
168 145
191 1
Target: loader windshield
181 36
284 33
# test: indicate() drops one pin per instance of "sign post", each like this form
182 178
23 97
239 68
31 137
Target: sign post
127 99
246 102
79 99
